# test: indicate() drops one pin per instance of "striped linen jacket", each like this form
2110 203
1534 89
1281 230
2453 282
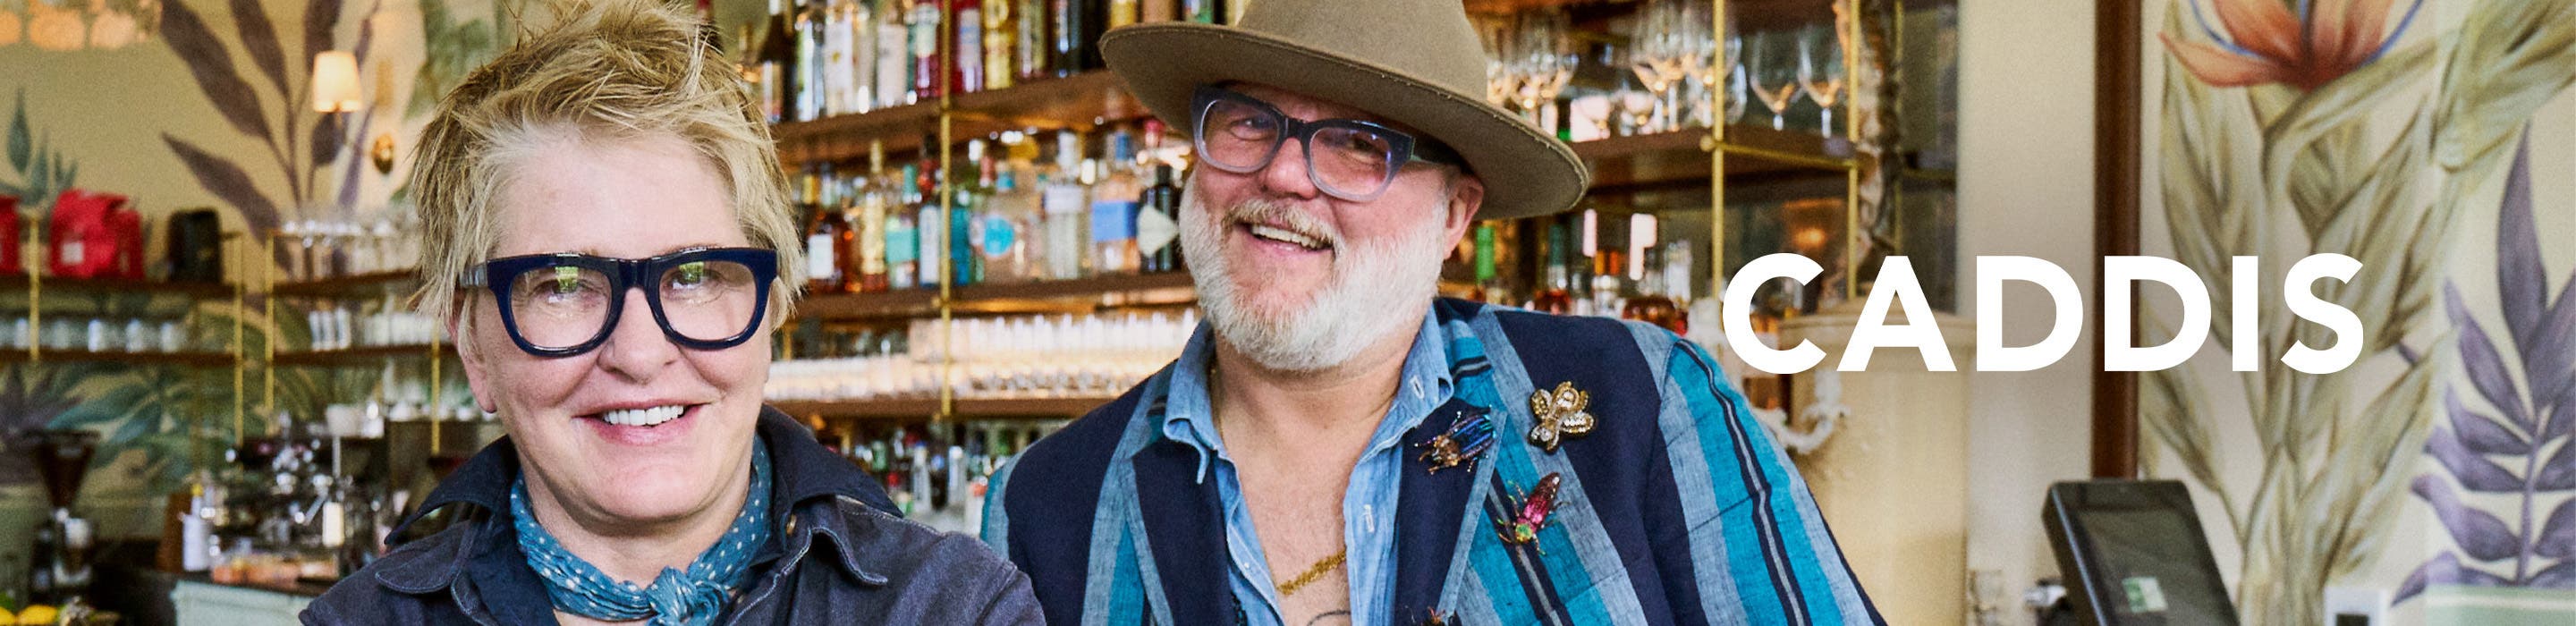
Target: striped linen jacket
1675 508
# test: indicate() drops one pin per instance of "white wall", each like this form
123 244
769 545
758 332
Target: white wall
2025 188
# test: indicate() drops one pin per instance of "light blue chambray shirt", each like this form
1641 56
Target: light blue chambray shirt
1368 506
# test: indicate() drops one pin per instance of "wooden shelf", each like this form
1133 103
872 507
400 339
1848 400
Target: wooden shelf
1164 288
923 408
190 359
369 355
20 283
1078 101
1682 157
360 285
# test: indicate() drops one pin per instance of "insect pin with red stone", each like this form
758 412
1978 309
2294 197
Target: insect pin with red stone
1529 513
1468 437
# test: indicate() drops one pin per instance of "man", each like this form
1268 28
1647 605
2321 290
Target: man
1335 445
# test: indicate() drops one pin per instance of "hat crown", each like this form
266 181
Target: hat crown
1429 40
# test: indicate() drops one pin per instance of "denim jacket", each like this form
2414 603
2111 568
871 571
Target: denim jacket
837 555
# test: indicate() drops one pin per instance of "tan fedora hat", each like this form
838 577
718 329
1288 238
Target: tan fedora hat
1414 62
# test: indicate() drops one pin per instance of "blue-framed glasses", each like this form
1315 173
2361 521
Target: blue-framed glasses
1349 159
558 305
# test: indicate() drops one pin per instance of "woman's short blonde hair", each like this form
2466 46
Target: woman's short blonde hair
603 71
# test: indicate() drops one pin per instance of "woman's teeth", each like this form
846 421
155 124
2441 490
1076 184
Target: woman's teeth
642 417
1286 236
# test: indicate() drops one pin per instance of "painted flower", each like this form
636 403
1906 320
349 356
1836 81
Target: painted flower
11 28
2302 43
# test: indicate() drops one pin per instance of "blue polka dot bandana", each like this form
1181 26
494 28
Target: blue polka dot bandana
677 598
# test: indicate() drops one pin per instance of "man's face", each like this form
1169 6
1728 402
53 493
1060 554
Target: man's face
1300 280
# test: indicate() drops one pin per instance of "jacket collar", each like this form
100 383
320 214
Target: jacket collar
811 480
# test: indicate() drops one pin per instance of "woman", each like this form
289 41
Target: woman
607 235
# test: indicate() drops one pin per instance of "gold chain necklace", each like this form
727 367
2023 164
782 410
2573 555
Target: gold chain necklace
1318 570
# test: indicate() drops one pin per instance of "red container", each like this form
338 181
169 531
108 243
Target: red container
9 236
126 226
82 243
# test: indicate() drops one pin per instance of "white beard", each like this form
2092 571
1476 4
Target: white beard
1367 298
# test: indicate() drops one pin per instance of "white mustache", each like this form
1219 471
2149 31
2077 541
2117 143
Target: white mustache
1265 211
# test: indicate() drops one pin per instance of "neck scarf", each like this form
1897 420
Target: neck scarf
693 597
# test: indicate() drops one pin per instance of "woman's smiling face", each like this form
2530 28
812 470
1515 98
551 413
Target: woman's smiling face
626 198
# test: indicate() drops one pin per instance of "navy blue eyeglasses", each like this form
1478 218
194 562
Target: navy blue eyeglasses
558 305
1350 159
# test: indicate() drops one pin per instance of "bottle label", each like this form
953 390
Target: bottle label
1155 230
998 235
1113 220
820 258
1063 199
900 243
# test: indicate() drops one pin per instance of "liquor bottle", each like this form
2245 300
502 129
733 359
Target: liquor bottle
842 71
1556 297
1606 285
1651 305
902 238
1120 13
869 254
1067 204
1001 32
835 54
1010 217
778 65
1488 288
1113 208
1029 39
825 232
967 188
848 200
923 26
1158 225
810 87
1150 11
1203 11
930 220
966 65
1071 29
892 56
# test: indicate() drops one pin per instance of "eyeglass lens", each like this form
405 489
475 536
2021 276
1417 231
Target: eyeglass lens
561 306
1344 160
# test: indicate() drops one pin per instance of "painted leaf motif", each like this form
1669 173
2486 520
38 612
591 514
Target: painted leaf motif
319 18
2479 534
2481 433
2557 337
2474 470
2520 281
2446 570
2486 368
20 145
212 67
2557 538
2559 472
326 139
227 181
2560 576
259 40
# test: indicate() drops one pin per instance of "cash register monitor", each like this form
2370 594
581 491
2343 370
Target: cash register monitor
2133 554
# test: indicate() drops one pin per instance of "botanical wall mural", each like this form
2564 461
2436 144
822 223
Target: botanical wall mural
2385 130
247 141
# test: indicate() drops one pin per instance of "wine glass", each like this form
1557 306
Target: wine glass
1820 69
1545 63
1771 70
1655 52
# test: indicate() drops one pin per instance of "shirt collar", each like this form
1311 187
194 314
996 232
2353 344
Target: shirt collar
1188 416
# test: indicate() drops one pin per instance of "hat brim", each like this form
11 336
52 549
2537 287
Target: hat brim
1525 172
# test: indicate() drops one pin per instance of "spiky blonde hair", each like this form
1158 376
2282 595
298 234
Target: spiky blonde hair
601 71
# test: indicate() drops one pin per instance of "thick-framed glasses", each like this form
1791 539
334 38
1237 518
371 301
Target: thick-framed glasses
559 305
1349 159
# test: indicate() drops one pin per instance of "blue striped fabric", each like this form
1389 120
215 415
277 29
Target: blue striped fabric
1675 509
